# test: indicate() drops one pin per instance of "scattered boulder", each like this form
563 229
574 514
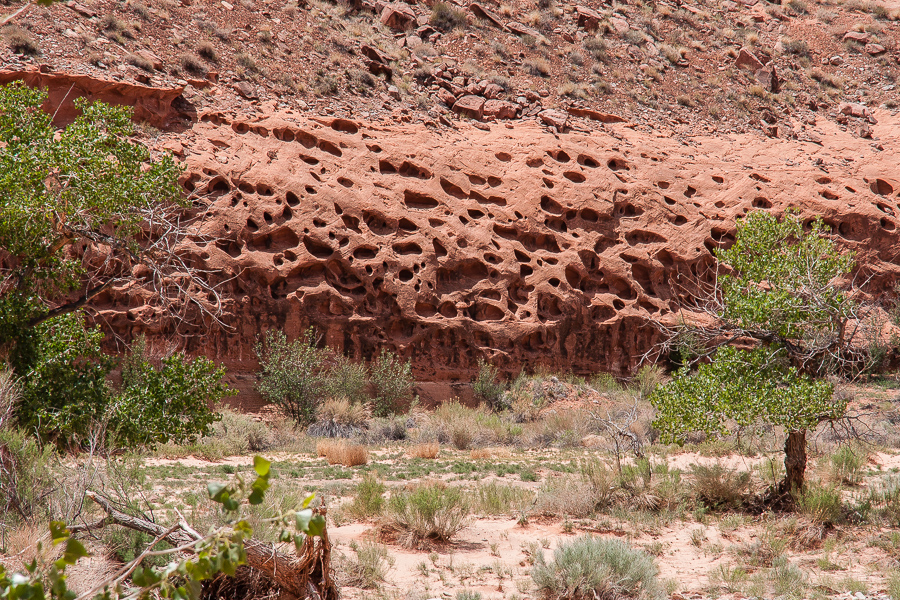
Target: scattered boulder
485 14
470 106
747 60
492 91
375 54
588 19
519 29
875 49
857 110
856 36
554 118
398 16
500 109
246 90
768 78
594 115
446 97
151 58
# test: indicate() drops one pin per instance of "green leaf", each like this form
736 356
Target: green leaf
261 466
74 551
316 526
216 490
58 532
256 497
303 517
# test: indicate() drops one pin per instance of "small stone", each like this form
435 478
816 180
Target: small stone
398 16
446 97
746 59
500 109
492 90
394 92
836 61
246 90
875 49
857 36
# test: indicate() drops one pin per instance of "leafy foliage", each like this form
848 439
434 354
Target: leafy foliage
739 387
292 374
486 386
220 551
87 184
393 382
166 403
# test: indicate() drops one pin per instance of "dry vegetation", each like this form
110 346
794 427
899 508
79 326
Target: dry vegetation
535 501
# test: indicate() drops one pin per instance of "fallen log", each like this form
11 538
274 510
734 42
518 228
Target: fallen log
305 576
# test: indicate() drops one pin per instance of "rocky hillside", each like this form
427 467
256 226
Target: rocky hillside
528 183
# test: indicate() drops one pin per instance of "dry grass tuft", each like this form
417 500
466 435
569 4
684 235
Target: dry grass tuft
342 453
430 450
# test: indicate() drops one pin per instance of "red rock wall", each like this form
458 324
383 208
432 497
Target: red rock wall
513 244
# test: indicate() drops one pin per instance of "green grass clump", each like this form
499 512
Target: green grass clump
432 512
589 567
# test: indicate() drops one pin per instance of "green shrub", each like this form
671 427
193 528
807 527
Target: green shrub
498 499
347 379
292 374
368 498
646 380
718 486
26 476
822 505
446 17
165 402
432 512
393 382
487 388
602 568
20 41
845 465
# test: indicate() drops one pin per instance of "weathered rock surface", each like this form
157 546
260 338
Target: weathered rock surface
161 107
514 244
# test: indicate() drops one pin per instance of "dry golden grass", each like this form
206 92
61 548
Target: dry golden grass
340 452
485 453
429 450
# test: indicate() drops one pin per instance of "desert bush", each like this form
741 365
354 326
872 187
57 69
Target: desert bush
368 498
718 486
191 63
342 453
603 482
368 567
386 429
347 379
207 51
26 477
646 380
430 512
10 395
292 374
20 41
487 388
845 465
798 47
537 66
501 499
597 47
589 567
883 501
566 497
140 62
338 417
393 382
446 17
820 504
427 450
463 427
234 434
246 61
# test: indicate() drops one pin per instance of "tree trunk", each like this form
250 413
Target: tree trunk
794 463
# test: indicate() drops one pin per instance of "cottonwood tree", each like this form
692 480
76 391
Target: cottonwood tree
760 344
83 210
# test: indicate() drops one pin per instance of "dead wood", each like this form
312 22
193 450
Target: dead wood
305 576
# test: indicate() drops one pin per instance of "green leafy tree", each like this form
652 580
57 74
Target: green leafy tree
83 210
166 402
293 375
487 388
779 321
393 382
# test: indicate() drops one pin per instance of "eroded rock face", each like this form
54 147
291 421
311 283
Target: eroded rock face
512 244
163 108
